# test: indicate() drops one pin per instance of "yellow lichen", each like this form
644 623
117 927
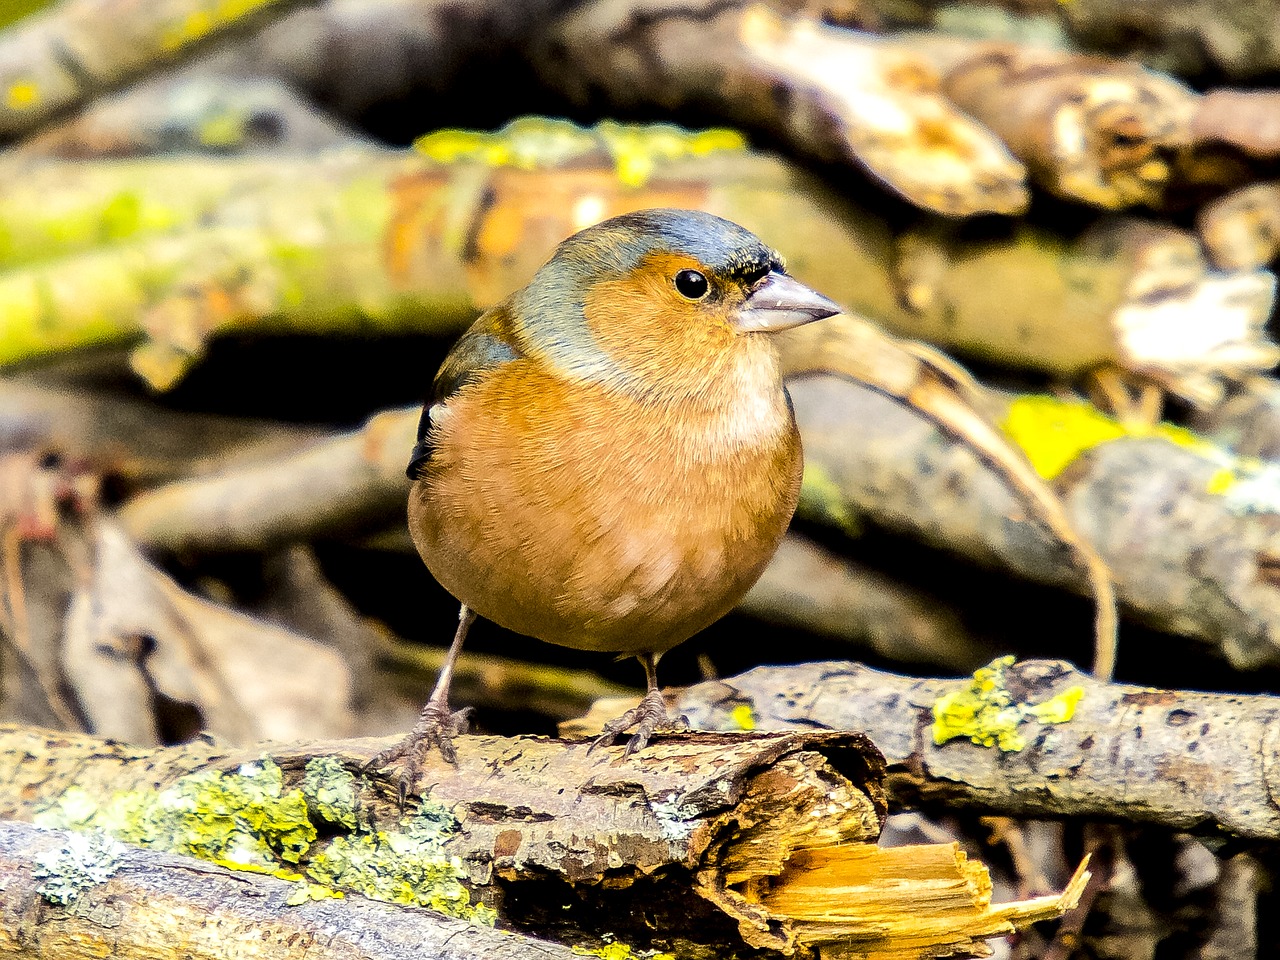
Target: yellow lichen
199 24
743 717
532 143
247 820
621 951
22 95
1053 433
986 713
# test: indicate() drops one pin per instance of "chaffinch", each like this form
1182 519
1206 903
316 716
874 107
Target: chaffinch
609 458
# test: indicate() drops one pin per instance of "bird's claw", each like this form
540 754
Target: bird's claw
436 727
648 717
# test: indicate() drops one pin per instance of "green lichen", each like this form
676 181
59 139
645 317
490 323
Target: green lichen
330 791
408 866
822 499
532 143
242 819
247 820
986 713
84 861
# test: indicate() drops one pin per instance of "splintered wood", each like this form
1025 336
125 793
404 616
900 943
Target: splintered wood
900 903
773 834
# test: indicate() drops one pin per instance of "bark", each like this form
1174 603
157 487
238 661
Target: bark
135 441
758 828
56 60
1127 292
833 94
342 244
351 482
814 589
1241 230
1098 131
1188 536
157 905
1181 759
1248 422
1234 37
931 385
193 112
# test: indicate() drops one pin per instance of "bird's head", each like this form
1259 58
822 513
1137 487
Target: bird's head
640 296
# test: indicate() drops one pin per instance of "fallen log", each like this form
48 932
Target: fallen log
705 839
1032 739
72 897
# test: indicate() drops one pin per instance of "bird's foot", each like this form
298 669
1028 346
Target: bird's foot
649 717
436 727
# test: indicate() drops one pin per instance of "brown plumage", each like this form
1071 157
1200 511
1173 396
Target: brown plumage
610 458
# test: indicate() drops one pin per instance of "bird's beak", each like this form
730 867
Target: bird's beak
780 303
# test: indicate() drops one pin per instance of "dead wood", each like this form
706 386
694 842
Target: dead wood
1188 536
1247 422
352 482
131 440
1185 760
140 904
833 94
1100 131
194 111
759 829
1241 230
55 60
815 589
1129 293
1234 37
932 386
1133 293
93 636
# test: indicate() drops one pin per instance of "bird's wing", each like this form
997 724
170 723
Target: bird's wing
488 344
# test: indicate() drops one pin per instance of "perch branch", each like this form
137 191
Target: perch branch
1177 758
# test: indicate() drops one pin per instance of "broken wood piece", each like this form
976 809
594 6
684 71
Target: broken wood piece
834 94
1099 131
1037 738
1128 292
706 831
1185 530
72 896
348 482
132 637
57 59
1241 230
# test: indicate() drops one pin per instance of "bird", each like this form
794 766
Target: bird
609 458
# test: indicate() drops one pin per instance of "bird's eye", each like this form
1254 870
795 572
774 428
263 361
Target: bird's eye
692 284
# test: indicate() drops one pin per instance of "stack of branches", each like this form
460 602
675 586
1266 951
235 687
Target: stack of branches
235 237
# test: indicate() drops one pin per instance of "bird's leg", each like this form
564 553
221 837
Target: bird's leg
648 717
437 725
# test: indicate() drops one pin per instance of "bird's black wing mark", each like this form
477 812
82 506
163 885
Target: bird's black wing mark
488 344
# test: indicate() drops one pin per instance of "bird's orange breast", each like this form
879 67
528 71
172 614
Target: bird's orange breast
601 520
